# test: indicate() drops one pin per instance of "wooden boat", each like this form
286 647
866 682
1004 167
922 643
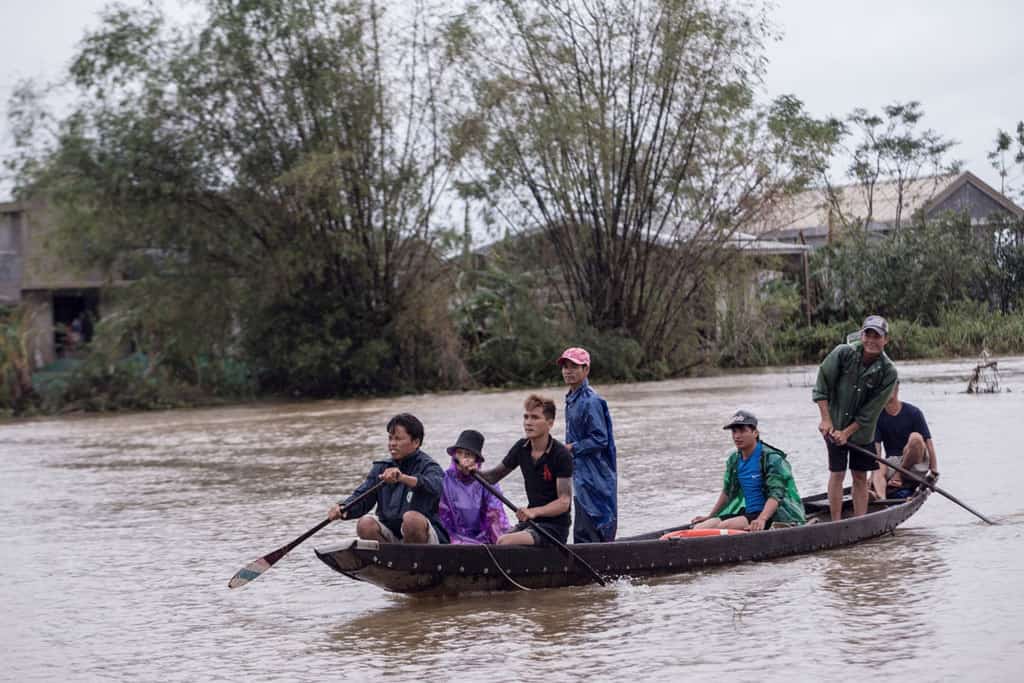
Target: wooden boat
450 569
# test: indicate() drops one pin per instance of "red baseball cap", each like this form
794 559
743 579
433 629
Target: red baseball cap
577 355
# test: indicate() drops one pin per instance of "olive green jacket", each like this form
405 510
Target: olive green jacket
778 484
855 393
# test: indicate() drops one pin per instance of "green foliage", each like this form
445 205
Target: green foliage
628 134
749 327
962 329
1007 152
15 379
149 352
278 166
312 344
511 336
913 272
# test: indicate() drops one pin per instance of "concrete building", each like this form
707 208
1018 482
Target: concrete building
35 275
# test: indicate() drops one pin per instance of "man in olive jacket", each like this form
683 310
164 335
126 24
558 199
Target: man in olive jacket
854 383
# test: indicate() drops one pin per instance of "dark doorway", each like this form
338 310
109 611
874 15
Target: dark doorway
74 313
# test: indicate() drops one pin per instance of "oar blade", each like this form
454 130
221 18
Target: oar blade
249 572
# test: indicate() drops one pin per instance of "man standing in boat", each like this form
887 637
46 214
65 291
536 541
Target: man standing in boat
854 382
908 443
758 488
589 437
407 507
547 474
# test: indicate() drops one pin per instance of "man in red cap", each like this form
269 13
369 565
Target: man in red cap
589 437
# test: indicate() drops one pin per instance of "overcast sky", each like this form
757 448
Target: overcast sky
961 60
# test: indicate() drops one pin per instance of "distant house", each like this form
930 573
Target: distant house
33 274
811 218
762 260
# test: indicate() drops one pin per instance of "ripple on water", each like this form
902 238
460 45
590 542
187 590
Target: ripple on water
120 533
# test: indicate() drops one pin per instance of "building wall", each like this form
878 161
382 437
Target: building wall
33 271
41 346
10 254
971 200
43 264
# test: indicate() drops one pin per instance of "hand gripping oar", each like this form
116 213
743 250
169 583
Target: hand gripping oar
563 547
254 569
921 480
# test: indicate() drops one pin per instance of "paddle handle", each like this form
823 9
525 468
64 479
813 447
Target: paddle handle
255 569
921 480
497 494
284 550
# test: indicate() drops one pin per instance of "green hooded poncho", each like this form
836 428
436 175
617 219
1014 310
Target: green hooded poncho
778 484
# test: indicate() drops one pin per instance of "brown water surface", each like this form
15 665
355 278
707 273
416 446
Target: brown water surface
118 535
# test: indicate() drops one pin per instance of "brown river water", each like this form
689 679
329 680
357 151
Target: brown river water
118 536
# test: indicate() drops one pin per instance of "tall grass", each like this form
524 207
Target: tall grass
964 329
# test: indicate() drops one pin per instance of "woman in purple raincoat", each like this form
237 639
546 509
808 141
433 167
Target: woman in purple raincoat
468 511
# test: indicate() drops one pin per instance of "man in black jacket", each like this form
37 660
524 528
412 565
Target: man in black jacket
407 505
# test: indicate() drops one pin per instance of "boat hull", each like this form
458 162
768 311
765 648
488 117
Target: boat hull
451 569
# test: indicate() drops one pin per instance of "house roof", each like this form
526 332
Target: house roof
742 241
809 211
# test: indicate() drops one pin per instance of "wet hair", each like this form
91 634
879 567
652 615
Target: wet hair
533 401
410 423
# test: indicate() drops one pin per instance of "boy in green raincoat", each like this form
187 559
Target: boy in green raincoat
759 489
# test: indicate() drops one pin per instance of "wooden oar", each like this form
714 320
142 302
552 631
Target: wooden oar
254 569
921 480
561 546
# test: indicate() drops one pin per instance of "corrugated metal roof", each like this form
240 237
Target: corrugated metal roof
810 209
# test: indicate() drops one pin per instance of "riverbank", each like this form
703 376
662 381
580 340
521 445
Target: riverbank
136 383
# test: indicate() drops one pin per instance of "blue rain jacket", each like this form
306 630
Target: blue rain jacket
588 427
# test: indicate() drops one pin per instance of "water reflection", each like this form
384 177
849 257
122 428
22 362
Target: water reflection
889 583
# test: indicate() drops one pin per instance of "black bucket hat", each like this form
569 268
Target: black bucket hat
470 440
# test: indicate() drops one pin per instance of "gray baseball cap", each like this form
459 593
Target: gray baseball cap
876 323
742 418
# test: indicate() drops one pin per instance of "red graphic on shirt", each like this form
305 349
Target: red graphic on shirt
547 474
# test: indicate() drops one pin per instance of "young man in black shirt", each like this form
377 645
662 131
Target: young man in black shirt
547 475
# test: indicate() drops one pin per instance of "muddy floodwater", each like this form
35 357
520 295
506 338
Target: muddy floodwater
118 536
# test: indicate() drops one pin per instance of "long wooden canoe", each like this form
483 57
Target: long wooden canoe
449 569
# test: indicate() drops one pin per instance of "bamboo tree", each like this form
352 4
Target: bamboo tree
628 132
289 156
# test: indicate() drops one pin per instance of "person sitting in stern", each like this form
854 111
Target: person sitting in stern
908 443
759 490
469 512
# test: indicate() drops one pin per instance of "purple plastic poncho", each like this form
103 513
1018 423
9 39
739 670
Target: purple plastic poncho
469 512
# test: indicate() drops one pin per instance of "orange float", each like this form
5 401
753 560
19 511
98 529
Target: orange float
699 533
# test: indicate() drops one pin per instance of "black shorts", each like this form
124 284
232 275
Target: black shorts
837 456
751 516
559 531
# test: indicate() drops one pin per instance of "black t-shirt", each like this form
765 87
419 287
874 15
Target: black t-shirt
539 477
894 430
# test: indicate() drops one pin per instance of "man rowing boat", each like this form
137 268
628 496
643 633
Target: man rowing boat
407 505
